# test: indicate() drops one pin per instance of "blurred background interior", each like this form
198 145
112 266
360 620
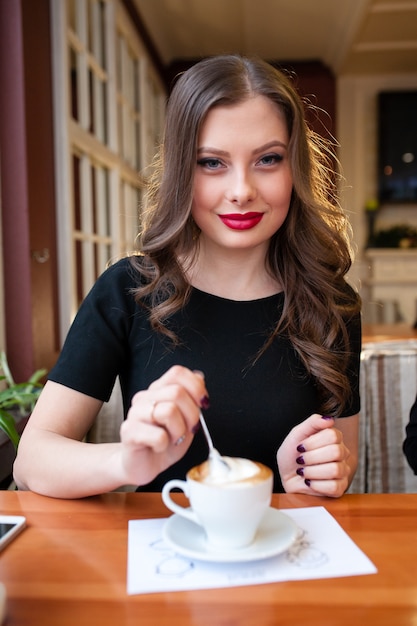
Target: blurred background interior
83 85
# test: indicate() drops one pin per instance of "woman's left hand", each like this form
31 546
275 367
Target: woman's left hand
315 460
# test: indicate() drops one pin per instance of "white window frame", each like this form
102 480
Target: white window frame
120 194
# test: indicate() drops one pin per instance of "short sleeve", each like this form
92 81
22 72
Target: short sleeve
97 344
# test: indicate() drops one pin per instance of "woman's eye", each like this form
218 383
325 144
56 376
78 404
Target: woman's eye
209 163
271 159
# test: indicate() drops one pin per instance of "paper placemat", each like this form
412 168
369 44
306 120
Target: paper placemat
322 550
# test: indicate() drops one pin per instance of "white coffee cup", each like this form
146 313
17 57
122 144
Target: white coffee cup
229 507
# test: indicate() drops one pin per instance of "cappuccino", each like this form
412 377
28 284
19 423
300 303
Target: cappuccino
229 505
242 472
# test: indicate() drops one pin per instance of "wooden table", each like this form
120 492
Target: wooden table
68 568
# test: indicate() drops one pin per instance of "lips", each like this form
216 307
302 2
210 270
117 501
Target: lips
241 221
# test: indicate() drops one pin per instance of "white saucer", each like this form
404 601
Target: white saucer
276 534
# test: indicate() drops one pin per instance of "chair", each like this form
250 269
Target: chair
388 386
106 427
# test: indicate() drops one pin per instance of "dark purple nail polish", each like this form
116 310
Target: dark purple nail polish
326 417
300 460
300 471
301 448
196 428
307 482
205 402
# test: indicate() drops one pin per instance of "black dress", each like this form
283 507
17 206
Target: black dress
253 403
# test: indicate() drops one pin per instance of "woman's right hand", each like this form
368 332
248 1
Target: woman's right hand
157 432
161 423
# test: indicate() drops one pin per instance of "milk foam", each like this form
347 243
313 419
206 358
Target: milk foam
240 469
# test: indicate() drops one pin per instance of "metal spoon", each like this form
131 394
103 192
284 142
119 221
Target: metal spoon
214 456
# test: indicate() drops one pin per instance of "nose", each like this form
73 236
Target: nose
241 189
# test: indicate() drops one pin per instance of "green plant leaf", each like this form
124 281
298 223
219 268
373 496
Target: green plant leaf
7 424
5 368
17 397
34 380
21 396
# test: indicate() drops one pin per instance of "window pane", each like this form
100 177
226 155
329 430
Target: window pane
71 14
115 110
73 85
76 192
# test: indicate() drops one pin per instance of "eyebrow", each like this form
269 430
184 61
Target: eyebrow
271 144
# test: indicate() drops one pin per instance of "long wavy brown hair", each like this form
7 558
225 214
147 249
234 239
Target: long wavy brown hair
309 255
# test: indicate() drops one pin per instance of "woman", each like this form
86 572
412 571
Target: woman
237 304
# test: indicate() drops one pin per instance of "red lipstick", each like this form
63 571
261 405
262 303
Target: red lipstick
241 221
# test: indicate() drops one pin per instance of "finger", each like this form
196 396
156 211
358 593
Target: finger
161 404
142 434
192 382
330 488
163 414
168 416
320 441
325 471
314 424
325 454
304 435
325 437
